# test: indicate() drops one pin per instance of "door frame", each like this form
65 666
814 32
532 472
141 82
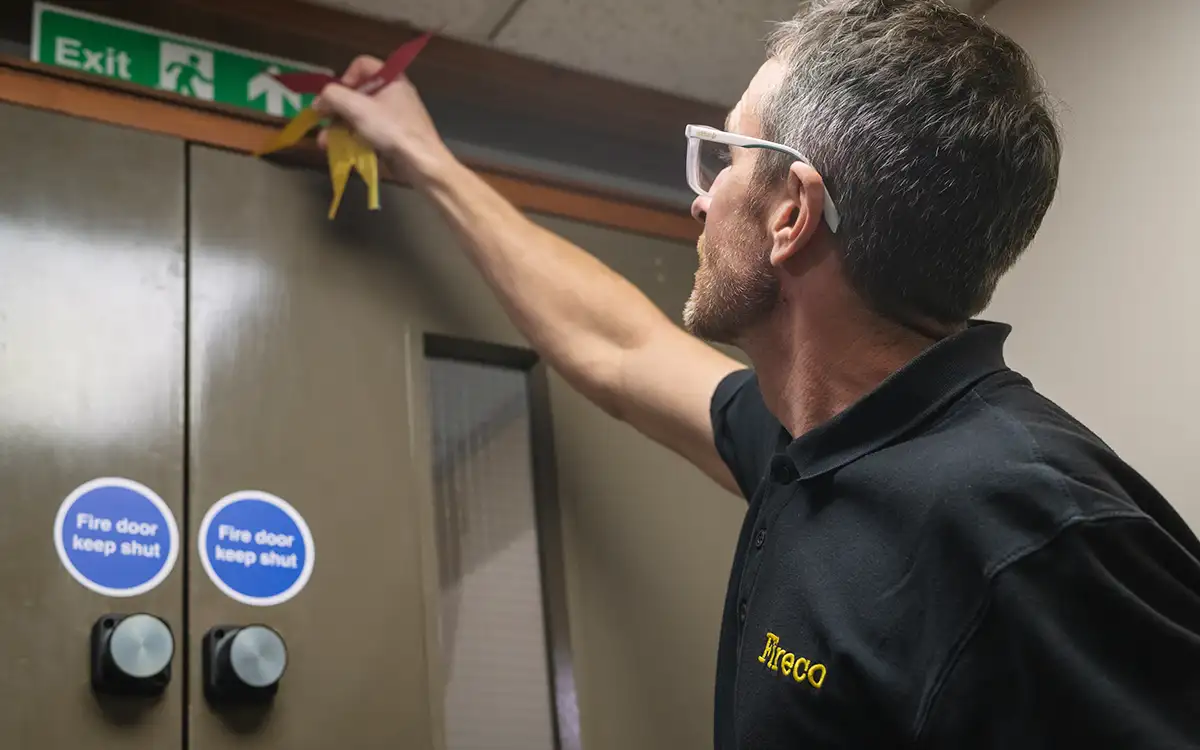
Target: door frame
91 97
421 460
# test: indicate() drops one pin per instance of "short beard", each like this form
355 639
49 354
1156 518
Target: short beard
726 301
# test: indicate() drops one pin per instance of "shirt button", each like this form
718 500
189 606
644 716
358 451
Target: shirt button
742 609
783 472
760 538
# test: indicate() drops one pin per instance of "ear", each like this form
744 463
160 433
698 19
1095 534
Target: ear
797 217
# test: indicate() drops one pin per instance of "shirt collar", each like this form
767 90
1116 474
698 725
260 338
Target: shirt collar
904 400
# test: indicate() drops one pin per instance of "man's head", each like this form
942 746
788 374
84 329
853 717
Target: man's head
928 129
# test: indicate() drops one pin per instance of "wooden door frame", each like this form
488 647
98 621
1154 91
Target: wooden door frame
90 97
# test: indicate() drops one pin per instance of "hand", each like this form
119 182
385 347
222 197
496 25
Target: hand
393 120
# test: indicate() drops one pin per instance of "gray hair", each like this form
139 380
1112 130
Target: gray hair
934 137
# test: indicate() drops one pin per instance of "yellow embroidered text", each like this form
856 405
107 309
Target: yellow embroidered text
796 667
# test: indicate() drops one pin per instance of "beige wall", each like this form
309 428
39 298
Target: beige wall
1105 302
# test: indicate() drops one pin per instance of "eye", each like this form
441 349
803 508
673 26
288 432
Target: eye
714 159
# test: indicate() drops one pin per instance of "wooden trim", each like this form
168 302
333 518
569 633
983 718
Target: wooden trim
21 84
43 87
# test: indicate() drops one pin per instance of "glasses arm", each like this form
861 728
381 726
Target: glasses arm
693 132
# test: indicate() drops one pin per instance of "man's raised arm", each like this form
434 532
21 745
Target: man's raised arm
598 330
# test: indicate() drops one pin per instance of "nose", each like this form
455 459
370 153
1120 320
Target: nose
700 208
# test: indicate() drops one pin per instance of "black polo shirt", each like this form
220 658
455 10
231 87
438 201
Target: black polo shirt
952 562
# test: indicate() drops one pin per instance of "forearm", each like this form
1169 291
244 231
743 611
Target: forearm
579 314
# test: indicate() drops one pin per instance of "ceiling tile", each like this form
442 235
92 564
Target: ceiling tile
704 49
465 19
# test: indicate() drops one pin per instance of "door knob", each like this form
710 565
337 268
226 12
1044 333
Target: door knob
242 663
131 654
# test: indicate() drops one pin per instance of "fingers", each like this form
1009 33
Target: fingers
336 99
363 67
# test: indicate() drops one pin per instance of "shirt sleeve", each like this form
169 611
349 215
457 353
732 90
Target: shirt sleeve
1091 641
745 432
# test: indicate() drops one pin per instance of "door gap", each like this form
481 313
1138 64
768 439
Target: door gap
185 537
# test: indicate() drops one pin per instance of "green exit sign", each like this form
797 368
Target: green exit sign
156 59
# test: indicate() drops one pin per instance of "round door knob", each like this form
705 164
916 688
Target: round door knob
131 654
243 663
141 646
257 656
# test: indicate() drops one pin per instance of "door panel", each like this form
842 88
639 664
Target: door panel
298 363
91 385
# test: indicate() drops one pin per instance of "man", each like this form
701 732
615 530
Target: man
933 554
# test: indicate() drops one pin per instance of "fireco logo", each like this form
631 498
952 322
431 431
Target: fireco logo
798 668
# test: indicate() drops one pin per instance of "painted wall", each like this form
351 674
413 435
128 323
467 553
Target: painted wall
1103 302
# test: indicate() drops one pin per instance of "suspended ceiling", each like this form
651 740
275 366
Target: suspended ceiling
703 49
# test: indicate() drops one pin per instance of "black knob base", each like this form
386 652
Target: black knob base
222 683
108 677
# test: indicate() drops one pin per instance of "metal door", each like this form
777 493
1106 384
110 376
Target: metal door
91 386
298 362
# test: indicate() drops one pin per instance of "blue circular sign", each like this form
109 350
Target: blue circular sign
256 548
116 537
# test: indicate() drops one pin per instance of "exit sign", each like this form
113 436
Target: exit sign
202 70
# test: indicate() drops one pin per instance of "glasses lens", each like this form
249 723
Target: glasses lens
713 159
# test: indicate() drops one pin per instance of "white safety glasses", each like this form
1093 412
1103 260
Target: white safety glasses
708 155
